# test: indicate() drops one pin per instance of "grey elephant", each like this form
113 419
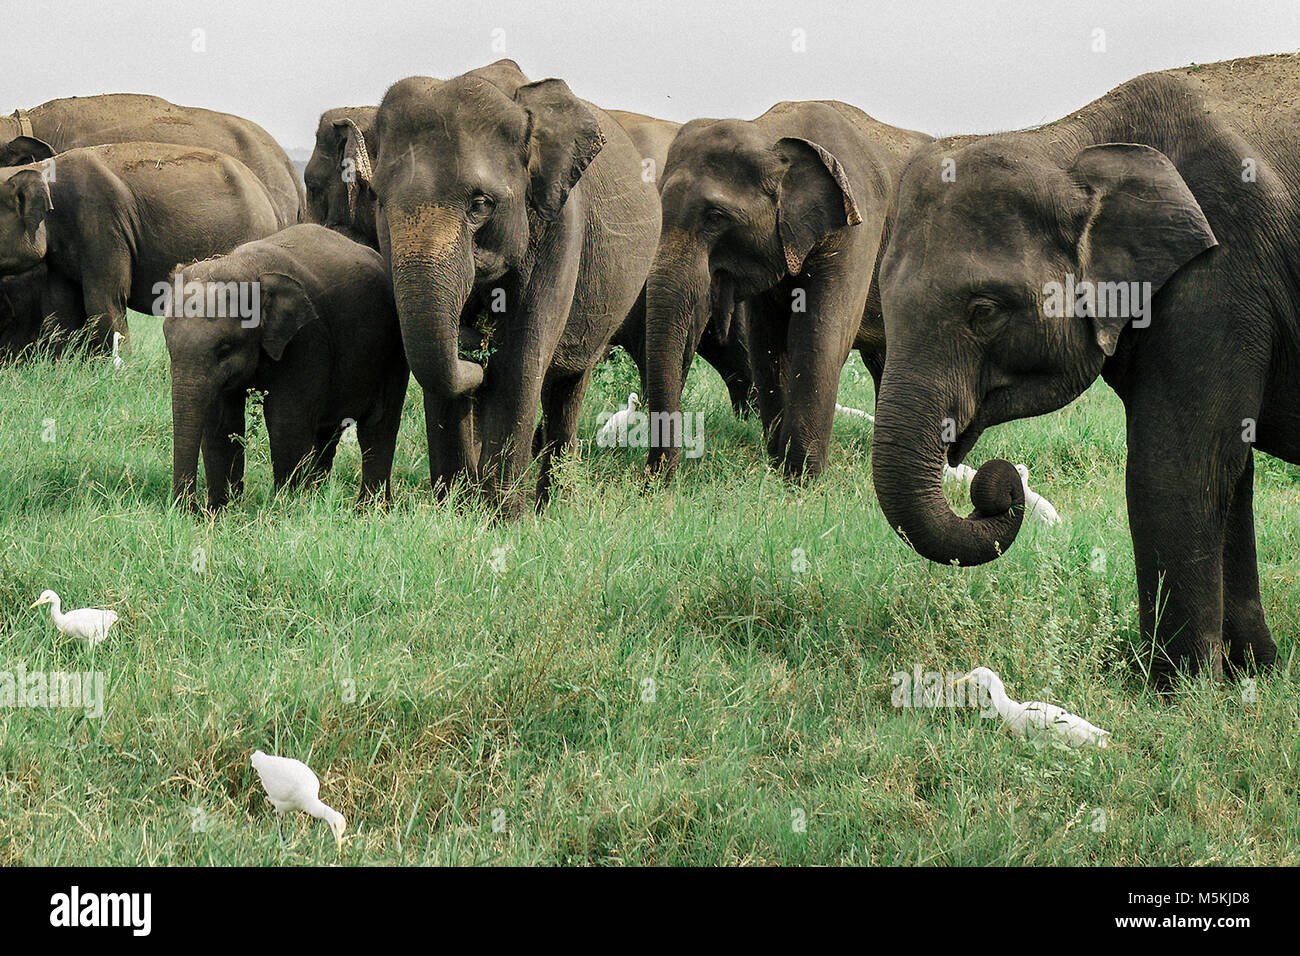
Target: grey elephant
317 333
724 343
1151 238
338 173
77 121
339 196
785 214
515 212
109 222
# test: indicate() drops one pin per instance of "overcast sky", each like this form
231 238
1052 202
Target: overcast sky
941 66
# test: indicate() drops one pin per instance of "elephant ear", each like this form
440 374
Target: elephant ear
23 150
815 199
31 194
564 137
355 160
285 309
1143 226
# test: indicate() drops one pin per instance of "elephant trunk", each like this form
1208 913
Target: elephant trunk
678 302
433 276
907 459
190 404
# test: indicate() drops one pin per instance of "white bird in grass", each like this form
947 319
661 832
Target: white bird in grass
609 432
1035 504
291 785
117 359
853 412
1035 718
91 624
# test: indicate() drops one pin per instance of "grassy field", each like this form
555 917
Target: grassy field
645 678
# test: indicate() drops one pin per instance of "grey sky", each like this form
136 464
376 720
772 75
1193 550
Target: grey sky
942 66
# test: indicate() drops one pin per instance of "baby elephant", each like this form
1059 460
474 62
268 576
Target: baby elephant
305 316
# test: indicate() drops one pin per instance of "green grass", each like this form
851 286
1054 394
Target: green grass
429 690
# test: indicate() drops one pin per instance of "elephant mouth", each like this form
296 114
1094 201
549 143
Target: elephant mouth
959 449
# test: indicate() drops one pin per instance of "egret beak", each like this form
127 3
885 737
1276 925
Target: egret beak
961 680
39 603
338 837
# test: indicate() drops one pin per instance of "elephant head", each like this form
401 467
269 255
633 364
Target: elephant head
227 321
741 212
979 265
25 204
465 168
338 174
22 150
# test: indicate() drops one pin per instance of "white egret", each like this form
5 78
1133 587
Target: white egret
291 785
1036 719
853 412
1035 504
609 433
91 624
117 359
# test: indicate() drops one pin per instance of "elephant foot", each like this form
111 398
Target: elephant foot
1250 651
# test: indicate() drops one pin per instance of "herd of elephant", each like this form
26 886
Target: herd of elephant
495 236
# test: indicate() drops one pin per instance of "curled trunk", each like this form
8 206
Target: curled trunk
907 459
433 275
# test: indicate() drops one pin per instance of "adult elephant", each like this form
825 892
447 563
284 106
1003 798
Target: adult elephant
785 213
338 173
515 213
724 343
101 234
77 121
1152 237
339 196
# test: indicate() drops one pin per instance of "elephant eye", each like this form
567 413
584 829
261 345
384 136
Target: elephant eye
981 310
481 206
717 216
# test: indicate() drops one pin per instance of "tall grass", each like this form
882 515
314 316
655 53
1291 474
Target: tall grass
634 677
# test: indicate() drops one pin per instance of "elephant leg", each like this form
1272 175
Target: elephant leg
1178 504
291 427
236 426
378 443
562 407
104 296
875 363
509 427
323 451
449 429
223 450
818 344
63 313
767 355
1245 632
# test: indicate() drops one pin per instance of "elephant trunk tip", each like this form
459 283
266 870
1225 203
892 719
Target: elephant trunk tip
997 489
